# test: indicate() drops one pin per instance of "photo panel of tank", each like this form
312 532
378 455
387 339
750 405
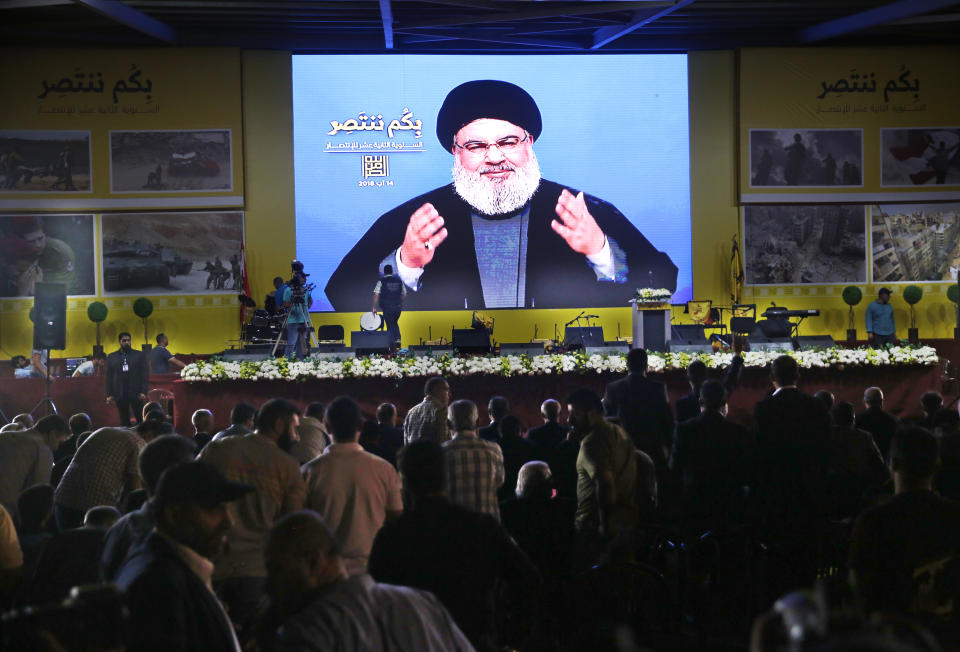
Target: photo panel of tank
49 249
172 253
914 243
818 244
199 160
920 157
806 158
45 161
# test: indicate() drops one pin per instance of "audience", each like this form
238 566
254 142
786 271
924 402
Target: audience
319 605
24 462
882 425
855 464
428 419
389 436
460 555
548 436
474 466
132 528
312 438
563 465
241 421
931 402
947 429
11 558
102 471
167 578
497 408
641 407
35 507
202 421
258 460
353 490
517 451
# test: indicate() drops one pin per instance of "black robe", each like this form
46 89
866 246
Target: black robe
556 276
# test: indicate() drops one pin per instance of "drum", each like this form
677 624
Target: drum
371 321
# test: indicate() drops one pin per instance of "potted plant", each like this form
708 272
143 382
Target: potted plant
953 293
143 308
912 295
852 295
97 313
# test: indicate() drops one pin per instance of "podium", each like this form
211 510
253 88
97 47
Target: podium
651 326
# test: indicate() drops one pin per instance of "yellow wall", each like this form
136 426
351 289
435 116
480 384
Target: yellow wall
205 324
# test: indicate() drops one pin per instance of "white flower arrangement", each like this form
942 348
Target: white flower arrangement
523 365
652 295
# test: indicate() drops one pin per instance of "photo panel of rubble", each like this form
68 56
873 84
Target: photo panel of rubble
920 157
806 158
47 248
793 245
172 253
45 161
915 242
171 161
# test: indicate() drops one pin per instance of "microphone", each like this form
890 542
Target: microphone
575 318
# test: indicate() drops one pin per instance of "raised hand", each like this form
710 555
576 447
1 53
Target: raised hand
576 225
425 232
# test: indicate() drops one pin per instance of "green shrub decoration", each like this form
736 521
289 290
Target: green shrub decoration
912 294
852 295
97 312
143 307
952 293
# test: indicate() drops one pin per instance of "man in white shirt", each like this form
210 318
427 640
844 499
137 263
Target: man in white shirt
350 488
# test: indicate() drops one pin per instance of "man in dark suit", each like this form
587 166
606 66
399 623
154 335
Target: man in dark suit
688 407
641 406
500 236
712 457
551 433
793 450
878 422
167 577
497 408
127 373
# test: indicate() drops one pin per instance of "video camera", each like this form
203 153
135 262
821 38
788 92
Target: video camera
297 282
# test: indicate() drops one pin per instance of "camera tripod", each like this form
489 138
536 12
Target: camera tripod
305 330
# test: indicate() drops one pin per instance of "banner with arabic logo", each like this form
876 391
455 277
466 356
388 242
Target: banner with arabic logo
94 129
849 125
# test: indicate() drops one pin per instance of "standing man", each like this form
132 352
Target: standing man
428 418
501 236
127 374
388 296
297 299
161 359
474 466
881 330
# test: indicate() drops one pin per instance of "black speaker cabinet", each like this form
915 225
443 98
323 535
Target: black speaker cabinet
471 340
50 316
805 342
368 342
580 336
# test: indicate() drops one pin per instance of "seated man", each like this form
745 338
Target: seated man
320 607
904 554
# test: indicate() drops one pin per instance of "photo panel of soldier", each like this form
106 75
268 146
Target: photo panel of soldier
806 158
171 161
45 161
49 249
920 157
795 245
172 253
912 243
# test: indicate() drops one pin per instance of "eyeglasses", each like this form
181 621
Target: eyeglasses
505 145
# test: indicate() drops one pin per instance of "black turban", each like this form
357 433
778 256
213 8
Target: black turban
486 98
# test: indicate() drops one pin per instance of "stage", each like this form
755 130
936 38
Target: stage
903 386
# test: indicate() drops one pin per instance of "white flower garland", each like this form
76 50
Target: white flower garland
523 365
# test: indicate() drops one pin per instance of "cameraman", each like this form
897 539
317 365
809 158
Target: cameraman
297 299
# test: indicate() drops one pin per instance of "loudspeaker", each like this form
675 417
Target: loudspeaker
609 348
680 347
578 336
470 340
368 342
687 334
778 344
329 348
50 316
814 342
521 348
430 351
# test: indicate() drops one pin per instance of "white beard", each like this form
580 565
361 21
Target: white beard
494 197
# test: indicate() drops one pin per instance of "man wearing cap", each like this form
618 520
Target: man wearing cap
167 578
881 330
500 236
30 256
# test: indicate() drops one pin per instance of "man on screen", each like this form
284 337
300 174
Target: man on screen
500 236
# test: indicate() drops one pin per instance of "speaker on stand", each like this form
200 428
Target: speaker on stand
49 329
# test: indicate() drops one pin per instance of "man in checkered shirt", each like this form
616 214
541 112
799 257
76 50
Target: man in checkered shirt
474 465
428 418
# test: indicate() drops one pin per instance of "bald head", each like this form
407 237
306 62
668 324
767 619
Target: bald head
873 397
550 409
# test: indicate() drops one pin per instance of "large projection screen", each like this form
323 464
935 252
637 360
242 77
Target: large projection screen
365 143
